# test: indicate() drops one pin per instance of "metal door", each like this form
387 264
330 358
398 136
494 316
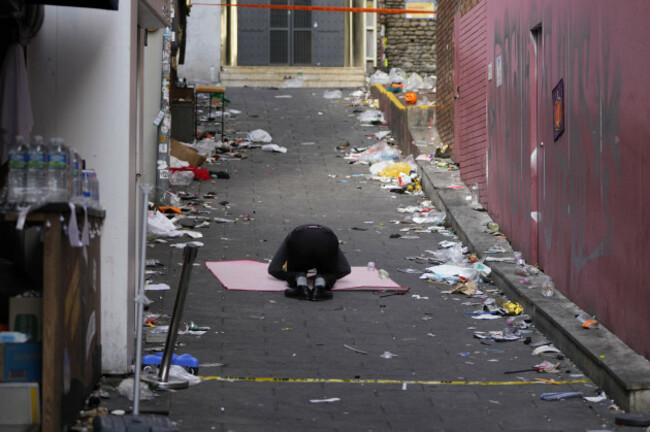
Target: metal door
290 37
291 34
253 35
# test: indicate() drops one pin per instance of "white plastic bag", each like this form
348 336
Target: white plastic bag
413 83
371 115
158 225
379 78
259 135
126 389
379 152
181 178
180 372
396 76
274 148
175 162
429 82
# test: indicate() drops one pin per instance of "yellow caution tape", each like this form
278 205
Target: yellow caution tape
383 381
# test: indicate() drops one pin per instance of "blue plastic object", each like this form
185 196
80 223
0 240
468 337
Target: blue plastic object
185 360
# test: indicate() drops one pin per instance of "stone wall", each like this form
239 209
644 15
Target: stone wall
410 43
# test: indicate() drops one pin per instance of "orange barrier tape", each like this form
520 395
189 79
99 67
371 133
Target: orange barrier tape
325 8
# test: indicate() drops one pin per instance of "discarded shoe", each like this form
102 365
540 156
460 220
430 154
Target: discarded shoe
320 293
300 292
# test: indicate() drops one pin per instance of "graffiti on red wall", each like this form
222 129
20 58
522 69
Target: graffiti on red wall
574 172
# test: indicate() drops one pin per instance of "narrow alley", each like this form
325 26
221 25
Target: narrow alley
414 360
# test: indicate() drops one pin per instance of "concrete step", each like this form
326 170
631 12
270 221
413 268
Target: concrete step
277 76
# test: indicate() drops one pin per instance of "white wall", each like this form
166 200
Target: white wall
82 68
152 88
203 44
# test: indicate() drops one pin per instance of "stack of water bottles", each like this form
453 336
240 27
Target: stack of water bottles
42 173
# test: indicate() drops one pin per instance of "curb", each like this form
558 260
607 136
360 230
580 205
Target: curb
611 364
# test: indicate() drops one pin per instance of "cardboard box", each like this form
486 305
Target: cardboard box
26 316
20 404
21 362
186 153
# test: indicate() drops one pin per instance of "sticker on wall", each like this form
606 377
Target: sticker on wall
498 70
558 110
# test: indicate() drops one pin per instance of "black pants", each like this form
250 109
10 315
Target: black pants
310 247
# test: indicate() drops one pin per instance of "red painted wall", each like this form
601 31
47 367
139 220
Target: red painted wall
470 121
591 231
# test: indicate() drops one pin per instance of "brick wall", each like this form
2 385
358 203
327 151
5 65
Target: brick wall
447 9
411 43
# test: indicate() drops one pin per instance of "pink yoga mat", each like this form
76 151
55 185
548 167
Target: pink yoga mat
249 275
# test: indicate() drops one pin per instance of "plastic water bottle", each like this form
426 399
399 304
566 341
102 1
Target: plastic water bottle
89 189
37 181
548 287
58 169
94 183
17 178
75 178
86 188
475 200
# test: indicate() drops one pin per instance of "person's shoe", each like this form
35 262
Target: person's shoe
300 292
320 291
319 294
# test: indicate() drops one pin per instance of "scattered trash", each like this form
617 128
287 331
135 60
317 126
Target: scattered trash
587 321
274 148
466 287
546 349
548 288
181 178
599 398
371 116
379 78
327 400
560 395
388 355
450 272
126 389
355 349
495 249
157 287
396 75
182 245
259 135
485 316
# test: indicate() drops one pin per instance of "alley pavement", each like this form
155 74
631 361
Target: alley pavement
363 361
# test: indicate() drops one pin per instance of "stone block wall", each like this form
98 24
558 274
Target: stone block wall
410 43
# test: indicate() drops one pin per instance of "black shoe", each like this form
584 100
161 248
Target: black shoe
300 292
320 293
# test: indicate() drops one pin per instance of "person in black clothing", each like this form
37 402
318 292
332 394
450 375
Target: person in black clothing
308 247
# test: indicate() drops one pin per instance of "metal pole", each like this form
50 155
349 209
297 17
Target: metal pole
140 299
188 262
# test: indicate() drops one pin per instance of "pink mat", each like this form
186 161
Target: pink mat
249 275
